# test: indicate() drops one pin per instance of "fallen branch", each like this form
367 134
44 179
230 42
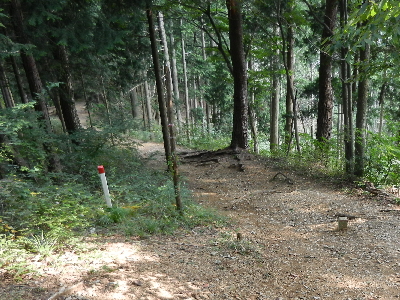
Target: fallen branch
287 179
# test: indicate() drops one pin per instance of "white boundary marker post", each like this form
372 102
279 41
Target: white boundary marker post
103 178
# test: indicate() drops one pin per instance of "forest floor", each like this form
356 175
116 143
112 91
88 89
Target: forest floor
284 243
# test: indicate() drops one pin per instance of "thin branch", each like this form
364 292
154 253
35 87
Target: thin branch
316 17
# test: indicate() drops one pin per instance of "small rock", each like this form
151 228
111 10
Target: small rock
137 283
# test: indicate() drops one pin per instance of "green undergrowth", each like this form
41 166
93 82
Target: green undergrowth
47 213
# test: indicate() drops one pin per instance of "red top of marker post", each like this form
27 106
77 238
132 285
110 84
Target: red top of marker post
101 169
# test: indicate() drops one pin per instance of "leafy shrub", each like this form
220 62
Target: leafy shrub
383 160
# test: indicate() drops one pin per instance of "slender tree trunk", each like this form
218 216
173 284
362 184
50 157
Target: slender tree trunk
289 84
253 115
295 125
55 96
161 102
5 88
253 122
239 72
288 62
186 85
347 97
361 114
87 104
106 104
148 104
167 61
66 90
134 103
203 81
325 102
274 117
173 158
206 105
381 101
18 80
174 72
142 100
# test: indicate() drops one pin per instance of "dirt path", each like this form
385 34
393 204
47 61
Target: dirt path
289 227
289 247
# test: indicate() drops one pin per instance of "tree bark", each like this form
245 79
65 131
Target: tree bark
325 102
186 85
134 103
239 72
381 102
18 80
167 61
289 84
87 103
148 105
346 97
66 90
288 62
361 115
5 88
253 115
161 101
274 114
174 72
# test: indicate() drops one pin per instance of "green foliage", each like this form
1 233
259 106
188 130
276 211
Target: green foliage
316 158
58 209
200 139
383 160
25 135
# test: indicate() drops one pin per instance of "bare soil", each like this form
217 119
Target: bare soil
284 243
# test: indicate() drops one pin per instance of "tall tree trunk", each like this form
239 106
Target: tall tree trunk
361 115
347 98
274 115
66 90
295 124
134 103
18 80
35 83
239 72
381 101
253 122
106 104
160 97
288 62
174 72
5 88
87 103
167 61
173 161
186 85
253 115
148 104
289 83
325 102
